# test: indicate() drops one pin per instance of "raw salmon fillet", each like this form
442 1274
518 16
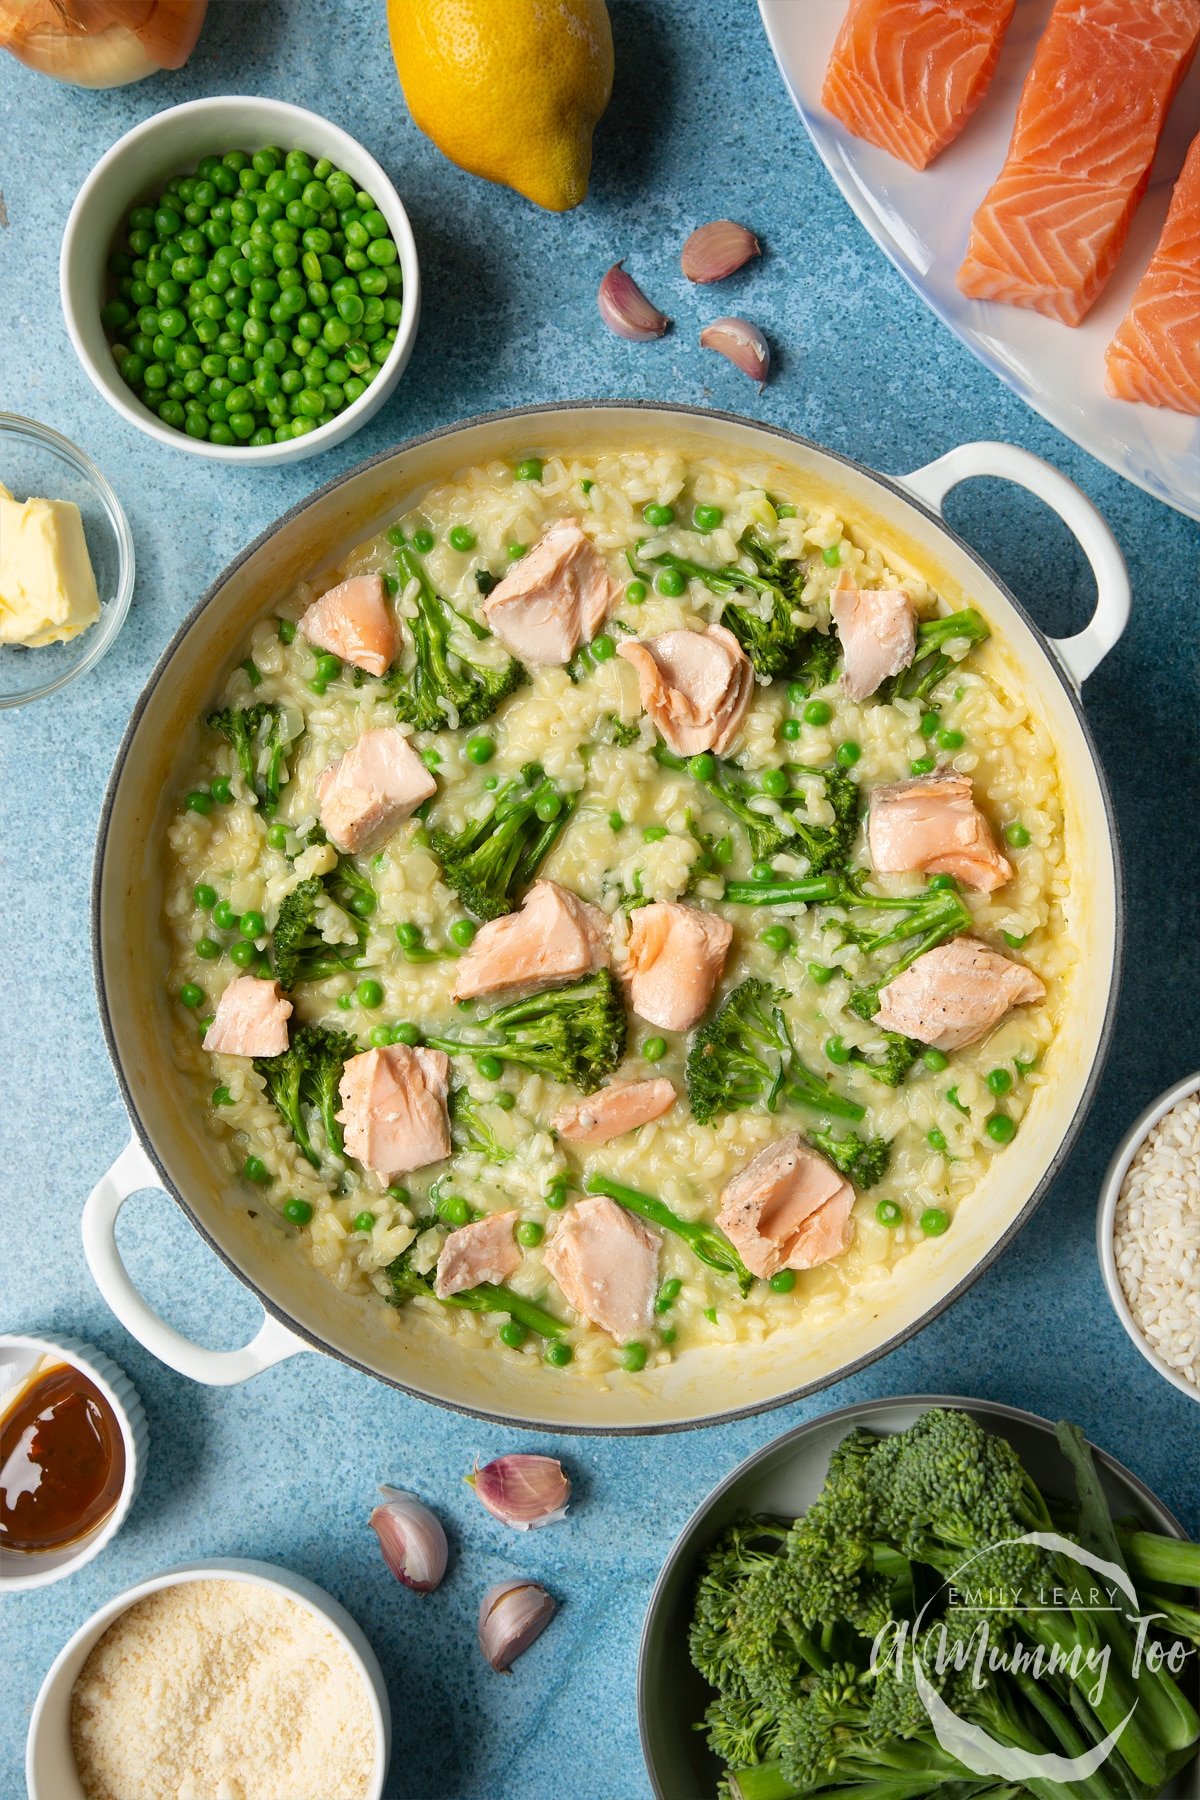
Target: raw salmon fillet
908 74
1051 228
1155 355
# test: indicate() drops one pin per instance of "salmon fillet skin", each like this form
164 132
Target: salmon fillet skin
1155 355
907 74
1054 222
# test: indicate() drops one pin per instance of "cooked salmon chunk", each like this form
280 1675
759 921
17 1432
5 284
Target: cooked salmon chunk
878 632
614 1110
251 1019
554 937
606 1263
933 824
676 958
363 796
953 995
787 1209
353 620
554 599
695 685
484 1251
394 1109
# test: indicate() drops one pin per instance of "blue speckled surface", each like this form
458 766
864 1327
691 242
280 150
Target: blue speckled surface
285 1467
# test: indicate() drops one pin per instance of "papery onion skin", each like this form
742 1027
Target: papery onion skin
716 250
412 1540
742 344
626 310
523 1491
511 1615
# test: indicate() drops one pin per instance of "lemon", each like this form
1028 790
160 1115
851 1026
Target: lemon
508 89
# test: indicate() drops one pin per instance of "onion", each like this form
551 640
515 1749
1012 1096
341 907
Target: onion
101 43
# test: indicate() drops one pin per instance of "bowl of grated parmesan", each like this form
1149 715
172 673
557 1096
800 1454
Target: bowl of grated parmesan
1148 1234
224 1680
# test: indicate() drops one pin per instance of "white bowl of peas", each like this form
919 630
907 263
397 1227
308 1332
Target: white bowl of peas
240 280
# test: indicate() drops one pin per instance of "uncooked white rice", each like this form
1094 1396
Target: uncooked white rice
1157 1238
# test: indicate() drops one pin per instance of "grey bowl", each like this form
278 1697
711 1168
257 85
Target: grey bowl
784 1479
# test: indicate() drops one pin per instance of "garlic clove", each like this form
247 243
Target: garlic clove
717 250
626 310
523 1491
412 1540
511 1615
743 344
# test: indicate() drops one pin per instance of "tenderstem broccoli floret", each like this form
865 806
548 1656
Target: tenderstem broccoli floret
471 1131
930 664
825 846
298 950
306 1076
776 644
573 1034
260 738
744 1056
863 1161
446 685
407 1284
492 860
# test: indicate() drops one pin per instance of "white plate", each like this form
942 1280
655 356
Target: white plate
921 220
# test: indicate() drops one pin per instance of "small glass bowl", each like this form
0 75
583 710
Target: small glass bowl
38 462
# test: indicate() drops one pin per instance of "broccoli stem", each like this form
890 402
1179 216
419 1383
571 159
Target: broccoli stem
1151 1557
706 1243
488 1297
802 890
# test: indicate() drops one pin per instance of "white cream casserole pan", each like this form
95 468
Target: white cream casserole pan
170 1148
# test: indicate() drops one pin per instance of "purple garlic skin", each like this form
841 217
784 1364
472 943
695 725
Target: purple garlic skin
523 1491
742 344
626 310
717 250
511 1615
412 1540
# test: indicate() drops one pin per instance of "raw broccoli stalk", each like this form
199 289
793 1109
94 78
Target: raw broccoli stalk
861 1161
492 860
253 731
744 1054
930 664
573 1034
471 1130
774 644
304 1075
445 686
707 1244
825 846
487 1297
298 951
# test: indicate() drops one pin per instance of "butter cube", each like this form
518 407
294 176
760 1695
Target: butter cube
47 586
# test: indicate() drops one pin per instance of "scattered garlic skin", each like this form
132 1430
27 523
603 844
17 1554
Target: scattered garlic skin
511 1615
523 1491
412 1540
717 250
743 344
626 310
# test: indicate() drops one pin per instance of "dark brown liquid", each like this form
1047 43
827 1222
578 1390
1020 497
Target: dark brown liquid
62 1462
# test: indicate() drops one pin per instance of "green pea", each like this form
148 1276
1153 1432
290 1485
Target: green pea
670 583
256 1170
207 949
817 712
848 753
654 1049
204 896
710 1313
928 724
548 807
329 667
490 1067
667 1335
558 1355
379 1037
224 916
921 765
423 541
409 937
462 537
1001 1129
370 994
950 740
517 551
277 836
243 953
775 783
504 1100
999 1081
199 802
300 1212
703 767
633 1357
556 1194
790 729
462 933
405 1033
783 1281
1014 939
529 469
936 1139
889 1214
952 1097
947 883
668 1294
453 1209
658 516
935 1059
653 834
821 973
364 1221
707 518
512 1335
431 758
616 822
481 749
836 1050
252 925
635 592
1017 834
762 871
934 1221
191 996
777 938
602 648
530 1234
221 1096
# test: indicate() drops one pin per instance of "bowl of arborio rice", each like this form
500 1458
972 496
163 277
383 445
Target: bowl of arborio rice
608 916
1148 1234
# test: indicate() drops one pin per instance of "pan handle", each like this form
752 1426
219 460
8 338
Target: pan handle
132 1172
1082 654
